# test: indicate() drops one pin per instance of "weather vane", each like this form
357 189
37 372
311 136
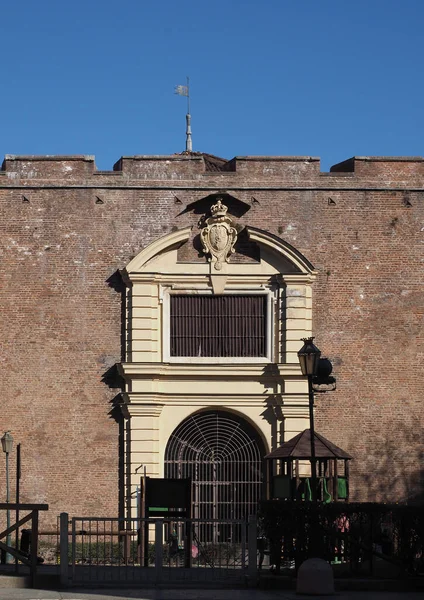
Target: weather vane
184 90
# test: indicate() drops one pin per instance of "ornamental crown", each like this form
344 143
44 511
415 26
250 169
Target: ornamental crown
218 209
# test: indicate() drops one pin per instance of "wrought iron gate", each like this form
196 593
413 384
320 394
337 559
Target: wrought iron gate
107 551
222 454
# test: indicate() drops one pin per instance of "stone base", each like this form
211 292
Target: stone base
315 578
15 581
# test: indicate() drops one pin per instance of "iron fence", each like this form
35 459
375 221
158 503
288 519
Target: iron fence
363 539
156 550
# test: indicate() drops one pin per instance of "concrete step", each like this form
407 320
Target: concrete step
15 581
283 582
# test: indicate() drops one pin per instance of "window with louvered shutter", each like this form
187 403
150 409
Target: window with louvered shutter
218 326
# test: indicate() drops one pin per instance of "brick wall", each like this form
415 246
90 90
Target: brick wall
67 229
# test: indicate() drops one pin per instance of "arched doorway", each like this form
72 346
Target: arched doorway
223 455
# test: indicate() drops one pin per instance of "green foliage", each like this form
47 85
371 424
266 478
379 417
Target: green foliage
105 553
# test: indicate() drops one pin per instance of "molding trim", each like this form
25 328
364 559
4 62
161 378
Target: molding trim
147 404
157 247
135 406
279 246
135 269
267 292
270 371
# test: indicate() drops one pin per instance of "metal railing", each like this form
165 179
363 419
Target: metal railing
49 545
156 550
359 539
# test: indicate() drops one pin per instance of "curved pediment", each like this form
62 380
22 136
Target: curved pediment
167 243
276 256
279 247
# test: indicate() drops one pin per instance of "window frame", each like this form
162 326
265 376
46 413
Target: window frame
270 327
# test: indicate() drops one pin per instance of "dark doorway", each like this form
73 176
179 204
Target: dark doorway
223 455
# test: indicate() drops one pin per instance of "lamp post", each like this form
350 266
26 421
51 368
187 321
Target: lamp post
7 444
309 356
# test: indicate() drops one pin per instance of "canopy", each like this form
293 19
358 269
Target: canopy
299 447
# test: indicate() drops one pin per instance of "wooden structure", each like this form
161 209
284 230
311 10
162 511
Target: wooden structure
30 559
288 470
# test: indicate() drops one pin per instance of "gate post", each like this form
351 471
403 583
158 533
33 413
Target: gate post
158 550
64 549
252 548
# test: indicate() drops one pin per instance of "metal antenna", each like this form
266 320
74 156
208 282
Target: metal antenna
189 143
184 90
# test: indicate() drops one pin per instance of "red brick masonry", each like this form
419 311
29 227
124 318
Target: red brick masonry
67 228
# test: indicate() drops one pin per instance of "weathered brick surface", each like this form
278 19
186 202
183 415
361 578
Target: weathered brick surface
65 231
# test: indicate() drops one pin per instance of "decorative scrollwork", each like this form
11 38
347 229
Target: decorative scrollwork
218 236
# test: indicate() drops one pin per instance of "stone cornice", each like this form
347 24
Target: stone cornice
30 184
135 406
267 372
139 404
235 280
157 398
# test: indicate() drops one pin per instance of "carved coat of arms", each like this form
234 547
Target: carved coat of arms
218 236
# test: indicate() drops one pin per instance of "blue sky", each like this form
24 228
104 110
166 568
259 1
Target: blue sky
272 77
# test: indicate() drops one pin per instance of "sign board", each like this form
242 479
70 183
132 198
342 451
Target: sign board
168 497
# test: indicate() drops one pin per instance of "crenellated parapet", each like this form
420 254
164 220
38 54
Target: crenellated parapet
205 170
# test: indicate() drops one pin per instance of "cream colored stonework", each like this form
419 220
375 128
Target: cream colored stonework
161 391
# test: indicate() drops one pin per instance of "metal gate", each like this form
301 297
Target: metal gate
222 454
107 551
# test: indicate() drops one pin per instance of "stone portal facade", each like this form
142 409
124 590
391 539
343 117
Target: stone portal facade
92 385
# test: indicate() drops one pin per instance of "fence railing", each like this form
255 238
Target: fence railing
358 539
156 550
29 559
364 539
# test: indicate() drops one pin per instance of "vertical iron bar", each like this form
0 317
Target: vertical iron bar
18 477
8 539
158 550
312 434
73 548
64 550
253 549
34 546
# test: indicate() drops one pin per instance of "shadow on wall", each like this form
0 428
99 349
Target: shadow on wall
273 412
116 282
236 207
393 470
113 379
116 414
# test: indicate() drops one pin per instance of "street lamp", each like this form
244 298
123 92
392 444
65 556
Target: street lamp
7 445
309 357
